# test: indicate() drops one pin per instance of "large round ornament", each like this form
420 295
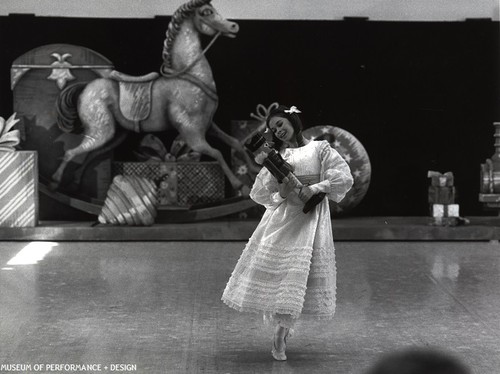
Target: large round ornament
353 152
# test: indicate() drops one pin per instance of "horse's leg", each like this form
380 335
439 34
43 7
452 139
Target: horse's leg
88 144
235 144
199 144
99 128
115 142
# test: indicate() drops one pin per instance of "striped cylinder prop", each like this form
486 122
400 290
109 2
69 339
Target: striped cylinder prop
18 189
131 201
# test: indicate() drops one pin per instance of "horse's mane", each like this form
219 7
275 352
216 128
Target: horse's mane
183 12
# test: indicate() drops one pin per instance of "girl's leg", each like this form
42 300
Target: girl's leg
284 322
279 337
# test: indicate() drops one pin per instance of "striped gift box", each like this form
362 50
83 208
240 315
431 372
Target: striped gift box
18 189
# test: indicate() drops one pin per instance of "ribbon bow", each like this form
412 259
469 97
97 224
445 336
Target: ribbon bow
293 109
262 112
441 180
9 138
437 174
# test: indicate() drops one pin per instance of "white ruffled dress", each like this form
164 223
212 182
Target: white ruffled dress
288 264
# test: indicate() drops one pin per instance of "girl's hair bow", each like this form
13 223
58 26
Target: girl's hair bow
293 109
261 113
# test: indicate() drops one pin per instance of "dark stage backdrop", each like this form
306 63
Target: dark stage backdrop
419 95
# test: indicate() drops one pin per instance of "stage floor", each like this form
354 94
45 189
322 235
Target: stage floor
155 306
348 228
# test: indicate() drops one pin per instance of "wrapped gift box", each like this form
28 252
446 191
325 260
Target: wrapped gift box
243 130
446 215
452 210
441 195
445 210
18 189
441 179
179 183
438 210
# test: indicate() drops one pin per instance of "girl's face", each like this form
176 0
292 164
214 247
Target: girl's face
282 128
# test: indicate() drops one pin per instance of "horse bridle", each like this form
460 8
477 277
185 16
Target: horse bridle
183 74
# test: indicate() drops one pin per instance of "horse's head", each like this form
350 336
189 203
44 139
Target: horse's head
208 21
203 19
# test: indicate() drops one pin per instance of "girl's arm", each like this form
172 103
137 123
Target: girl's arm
265 190
336 174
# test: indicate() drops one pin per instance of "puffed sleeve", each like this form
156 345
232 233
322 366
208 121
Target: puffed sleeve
265 190
336 178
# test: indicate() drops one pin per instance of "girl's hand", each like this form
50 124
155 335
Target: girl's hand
285 188
306 193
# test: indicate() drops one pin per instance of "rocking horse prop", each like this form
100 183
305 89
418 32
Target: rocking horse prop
183 97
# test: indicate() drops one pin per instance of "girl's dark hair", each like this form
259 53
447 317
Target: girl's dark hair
294 120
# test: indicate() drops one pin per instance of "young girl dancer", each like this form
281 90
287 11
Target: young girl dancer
287 268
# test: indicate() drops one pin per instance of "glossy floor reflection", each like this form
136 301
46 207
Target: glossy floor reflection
157 306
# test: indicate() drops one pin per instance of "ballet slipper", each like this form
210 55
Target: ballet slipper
278 355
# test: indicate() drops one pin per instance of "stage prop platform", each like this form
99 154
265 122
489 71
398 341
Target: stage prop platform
345 229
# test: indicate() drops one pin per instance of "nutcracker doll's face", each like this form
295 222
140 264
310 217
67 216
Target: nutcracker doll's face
282 128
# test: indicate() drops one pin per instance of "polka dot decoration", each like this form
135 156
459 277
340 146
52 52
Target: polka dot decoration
353 152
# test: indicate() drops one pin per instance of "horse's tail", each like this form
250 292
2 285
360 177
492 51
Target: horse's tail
66 106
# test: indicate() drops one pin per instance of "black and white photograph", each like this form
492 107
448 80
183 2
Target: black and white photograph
228 186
